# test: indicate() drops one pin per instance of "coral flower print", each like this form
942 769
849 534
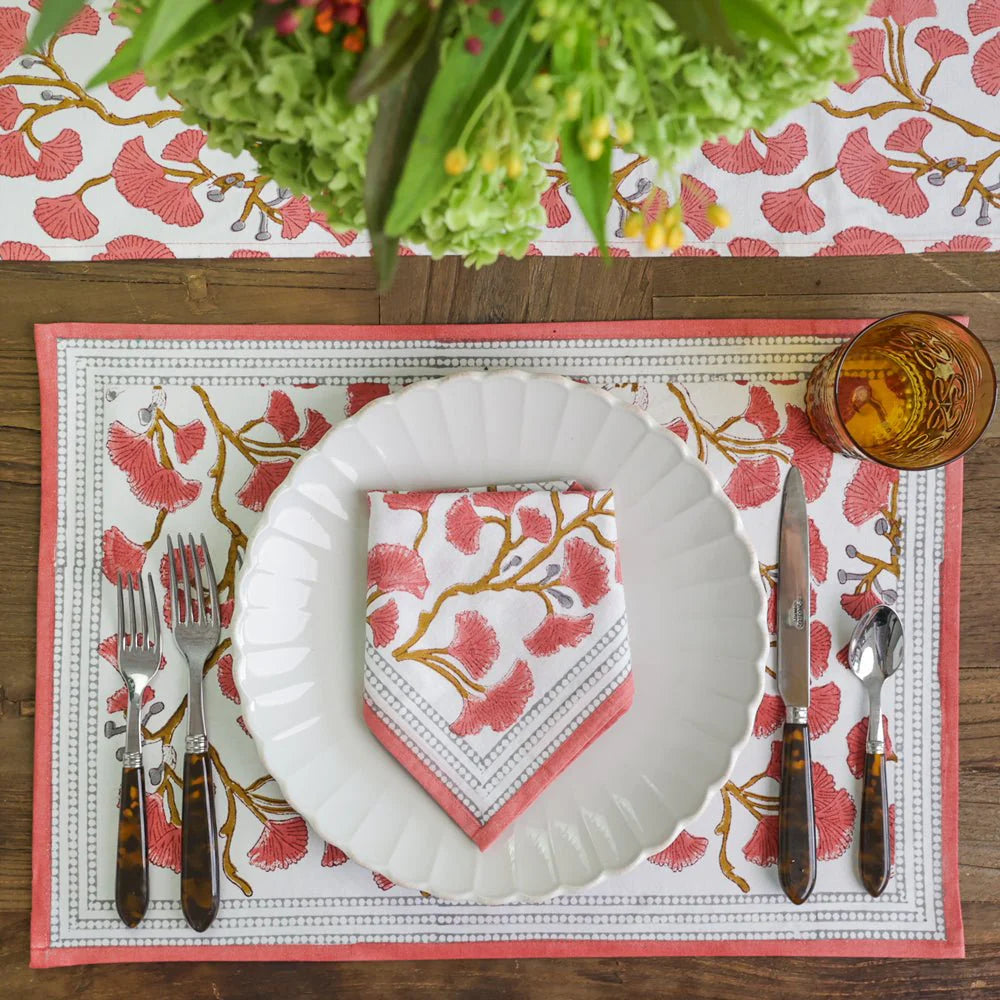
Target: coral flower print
134 248
12 250
867 494
395 567
384 621
986 67
867 55
746 246
163 839
983 15
60 156
903 11
585 571
743 158
189 439
868 174
333 857
786 150
557 212
501 705
503 501
186 146
463 526
14 158
13 34
682 852
265 478
792 211
753 482
316 426
961 244
762 847
10 107
534 524
361 393
152 483
909 136
475 643
281 844
121 555
556 632
410 501
770 715
281 415
860 241
143 183
835 812
941 43
66 218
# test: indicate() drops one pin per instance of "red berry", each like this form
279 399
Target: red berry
474 45
348 13
287 22
496 15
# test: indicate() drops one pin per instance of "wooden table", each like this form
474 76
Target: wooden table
542 289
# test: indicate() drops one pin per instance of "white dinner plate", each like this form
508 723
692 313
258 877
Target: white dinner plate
696 621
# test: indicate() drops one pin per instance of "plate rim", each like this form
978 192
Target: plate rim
479 375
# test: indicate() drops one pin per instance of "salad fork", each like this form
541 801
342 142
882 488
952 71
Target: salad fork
138 661
196 631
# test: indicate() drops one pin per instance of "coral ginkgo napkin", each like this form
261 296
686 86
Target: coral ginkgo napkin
497 645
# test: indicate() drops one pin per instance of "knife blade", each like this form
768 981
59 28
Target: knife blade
796 819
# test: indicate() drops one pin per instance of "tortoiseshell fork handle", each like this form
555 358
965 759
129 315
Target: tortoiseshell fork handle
874 854
796 822
131 871
199 844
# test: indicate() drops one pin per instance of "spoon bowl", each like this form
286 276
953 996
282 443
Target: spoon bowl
876 649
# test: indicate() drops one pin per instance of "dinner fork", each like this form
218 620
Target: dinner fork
138 661
196 631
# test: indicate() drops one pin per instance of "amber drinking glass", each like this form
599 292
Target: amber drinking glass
912 391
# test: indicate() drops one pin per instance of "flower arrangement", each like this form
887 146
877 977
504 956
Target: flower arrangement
433 121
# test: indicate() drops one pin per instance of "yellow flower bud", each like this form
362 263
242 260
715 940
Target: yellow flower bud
538 31
541 83
489 161
673 215
546 8
656 236
592 148
625 132
718 216
675 237
633 225
455 161
514 165
600 127
574 103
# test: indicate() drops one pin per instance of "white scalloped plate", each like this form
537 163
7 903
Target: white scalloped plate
696 616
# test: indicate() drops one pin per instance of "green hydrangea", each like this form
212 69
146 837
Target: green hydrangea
283 99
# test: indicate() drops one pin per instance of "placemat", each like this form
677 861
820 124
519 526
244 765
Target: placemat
903 159
156 429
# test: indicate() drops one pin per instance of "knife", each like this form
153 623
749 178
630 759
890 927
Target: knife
796 821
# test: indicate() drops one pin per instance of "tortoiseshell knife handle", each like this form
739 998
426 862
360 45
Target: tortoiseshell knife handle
131 868
796 820
874 853
199 844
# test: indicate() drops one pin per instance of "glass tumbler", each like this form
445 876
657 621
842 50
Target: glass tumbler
912 391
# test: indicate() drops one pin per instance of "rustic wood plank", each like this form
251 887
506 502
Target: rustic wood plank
549 289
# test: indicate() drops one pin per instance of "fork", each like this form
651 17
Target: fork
138 661
196 631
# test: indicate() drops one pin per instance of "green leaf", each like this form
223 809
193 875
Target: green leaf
52 18
703 23
399 108
131 56
405 40
753 19
457 96
127 59
168 17
589 180
379 15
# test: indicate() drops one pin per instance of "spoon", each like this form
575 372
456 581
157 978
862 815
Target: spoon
875 654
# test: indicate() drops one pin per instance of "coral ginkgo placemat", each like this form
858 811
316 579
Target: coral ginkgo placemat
156 429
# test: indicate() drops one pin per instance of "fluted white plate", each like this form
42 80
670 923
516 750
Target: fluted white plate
696 619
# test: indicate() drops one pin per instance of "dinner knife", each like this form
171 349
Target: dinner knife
796 822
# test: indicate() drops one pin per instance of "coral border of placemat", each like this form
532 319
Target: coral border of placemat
45 956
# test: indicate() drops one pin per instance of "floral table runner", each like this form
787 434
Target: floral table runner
156 429
904 159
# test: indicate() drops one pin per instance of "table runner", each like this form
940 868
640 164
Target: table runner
904 159
227 409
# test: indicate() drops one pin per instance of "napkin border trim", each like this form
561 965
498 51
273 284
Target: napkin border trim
483 834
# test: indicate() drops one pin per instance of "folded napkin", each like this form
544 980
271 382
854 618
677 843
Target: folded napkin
497 644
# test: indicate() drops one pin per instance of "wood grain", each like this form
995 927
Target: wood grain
539 289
